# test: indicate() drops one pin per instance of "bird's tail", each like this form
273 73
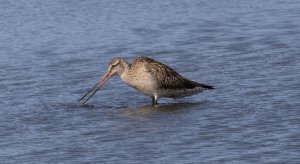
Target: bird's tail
206 86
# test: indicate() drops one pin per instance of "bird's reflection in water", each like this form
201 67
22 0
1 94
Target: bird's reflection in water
158 109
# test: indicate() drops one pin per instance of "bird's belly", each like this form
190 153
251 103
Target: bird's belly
143 85
146 89
178 93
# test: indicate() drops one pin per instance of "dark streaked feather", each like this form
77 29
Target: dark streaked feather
167 77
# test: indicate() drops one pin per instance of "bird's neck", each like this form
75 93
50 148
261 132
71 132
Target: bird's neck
125 66
125 73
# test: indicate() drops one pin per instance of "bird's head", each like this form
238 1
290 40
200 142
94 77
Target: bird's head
116 67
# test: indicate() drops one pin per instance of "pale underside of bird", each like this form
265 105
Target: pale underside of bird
149 77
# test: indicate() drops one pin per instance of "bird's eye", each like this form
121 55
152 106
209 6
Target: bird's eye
113 66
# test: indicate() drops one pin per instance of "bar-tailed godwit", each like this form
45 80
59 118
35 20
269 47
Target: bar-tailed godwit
150 77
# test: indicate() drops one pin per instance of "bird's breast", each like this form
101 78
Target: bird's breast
141 81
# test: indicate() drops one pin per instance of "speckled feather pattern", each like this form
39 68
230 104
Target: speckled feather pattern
156 79
166 77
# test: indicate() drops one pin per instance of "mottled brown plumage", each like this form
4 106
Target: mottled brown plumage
167 77
150 77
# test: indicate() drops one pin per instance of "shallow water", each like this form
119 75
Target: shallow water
52 52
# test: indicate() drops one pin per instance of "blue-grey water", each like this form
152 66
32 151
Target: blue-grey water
52 52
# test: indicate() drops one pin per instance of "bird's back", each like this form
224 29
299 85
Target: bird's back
165 76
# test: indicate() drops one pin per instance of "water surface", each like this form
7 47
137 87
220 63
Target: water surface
51 52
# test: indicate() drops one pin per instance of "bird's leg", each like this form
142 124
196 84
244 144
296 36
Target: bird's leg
154 100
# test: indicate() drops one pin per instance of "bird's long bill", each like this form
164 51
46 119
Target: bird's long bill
94 89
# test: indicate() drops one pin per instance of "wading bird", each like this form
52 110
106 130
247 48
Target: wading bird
150 77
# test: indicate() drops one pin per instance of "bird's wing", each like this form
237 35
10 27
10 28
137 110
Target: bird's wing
167 77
